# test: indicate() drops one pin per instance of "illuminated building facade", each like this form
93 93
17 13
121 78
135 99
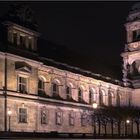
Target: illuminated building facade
45 95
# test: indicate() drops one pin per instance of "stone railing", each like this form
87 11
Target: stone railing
134 46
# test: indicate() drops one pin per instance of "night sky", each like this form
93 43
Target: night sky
93 29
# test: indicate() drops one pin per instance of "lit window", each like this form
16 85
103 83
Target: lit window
80 95
83 120
44 116
71 118
68 92
55 89
22 84
22 115
59 118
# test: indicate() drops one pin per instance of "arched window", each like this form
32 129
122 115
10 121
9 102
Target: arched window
41 85
80 95
90 97
118 99
101 97
109 99
68 92
55 89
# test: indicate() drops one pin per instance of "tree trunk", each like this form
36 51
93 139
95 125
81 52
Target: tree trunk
132 127
119 128
137 124
125 129
105 129
112 128
99 129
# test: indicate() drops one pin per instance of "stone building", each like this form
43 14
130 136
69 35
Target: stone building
44 95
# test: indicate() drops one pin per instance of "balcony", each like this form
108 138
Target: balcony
134 46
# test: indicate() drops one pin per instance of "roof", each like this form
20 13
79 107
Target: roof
65 59
65 55
59 56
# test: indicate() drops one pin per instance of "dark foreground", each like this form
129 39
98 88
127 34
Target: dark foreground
54 135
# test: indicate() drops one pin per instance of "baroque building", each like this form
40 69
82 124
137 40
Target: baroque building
44 95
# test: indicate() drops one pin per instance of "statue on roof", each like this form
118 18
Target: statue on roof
22 15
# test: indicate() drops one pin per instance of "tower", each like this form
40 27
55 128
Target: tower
131 55
21 28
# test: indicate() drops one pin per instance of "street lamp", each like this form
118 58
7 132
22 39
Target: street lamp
127 122
94 105
9 117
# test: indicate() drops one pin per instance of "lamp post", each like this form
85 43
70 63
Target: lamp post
127 121
94 105
9 117
126 125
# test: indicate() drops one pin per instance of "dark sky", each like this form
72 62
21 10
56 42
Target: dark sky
95 29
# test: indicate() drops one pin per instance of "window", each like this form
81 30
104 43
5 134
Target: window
44 116
83 120
22 115
136 35
10 34
101 98
90 97
15 38
139 69
68 92
80 95
109 99
118 99
41 85
22 84
59 117
30 44
55 89
22 41
71 118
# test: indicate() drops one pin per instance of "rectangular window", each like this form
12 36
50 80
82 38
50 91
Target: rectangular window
22 84
83 120
41 85
22 41
59 118
15 38
30 44
22 115
71 118
43 116
136 35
